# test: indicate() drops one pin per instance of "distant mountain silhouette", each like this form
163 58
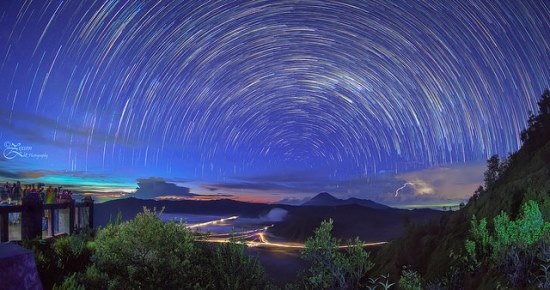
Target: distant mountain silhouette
326 199
130 207
350 218
350 221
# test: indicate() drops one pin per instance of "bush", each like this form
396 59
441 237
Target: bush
144 253
410 280
330 267
70 283
58 258
234 269
515 248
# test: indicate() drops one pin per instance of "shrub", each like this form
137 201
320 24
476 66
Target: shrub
144 253
330 267
515 247
233 268
410 280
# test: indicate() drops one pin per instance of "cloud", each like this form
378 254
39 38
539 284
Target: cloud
455 182
275 215
438 184
244 185
40 129
35 174
293 200
153 187
295 187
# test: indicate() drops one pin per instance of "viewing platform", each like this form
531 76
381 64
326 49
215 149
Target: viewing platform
31 218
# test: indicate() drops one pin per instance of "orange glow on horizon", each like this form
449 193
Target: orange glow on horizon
242 198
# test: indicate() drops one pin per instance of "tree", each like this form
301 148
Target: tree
513 246
538 130
492 172
330 267
410 279
144 253
233 268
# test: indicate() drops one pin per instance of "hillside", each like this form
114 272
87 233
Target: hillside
350 221
432 250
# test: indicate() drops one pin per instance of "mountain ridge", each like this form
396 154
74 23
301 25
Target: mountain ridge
326 199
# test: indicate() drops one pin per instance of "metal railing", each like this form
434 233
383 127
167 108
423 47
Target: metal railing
35 216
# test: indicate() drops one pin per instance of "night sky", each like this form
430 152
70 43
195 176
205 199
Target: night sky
264 100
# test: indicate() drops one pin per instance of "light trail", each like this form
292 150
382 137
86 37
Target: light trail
402 187
212 222
255 237
264 242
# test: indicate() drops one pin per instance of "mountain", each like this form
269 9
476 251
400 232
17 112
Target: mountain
323 199
326 199
350 220
130 207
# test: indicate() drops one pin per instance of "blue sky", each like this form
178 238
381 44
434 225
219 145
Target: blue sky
264 100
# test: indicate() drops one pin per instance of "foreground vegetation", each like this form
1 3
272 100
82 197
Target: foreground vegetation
499 240
145 253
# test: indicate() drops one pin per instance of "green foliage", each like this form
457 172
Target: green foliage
480 234
72 252
471 249
355 262
513 246
330 267
145 253
233 268
382 281
410 280
70 283
59 257
322 251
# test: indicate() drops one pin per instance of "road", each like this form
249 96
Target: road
256 237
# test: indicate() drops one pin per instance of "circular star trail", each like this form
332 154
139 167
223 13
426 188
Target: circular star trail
222 88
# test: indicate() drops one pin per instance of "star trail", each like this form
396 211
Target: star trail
213 90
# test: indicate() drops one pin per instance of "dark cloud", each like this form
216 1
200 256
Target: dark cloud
450 182
154 186
33 174
261 186
40 129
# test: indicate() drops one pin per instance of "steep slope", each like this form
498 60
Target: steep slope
523 176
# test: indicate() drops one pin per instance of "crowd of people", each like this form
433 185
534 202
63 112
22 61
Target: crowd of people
13 193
